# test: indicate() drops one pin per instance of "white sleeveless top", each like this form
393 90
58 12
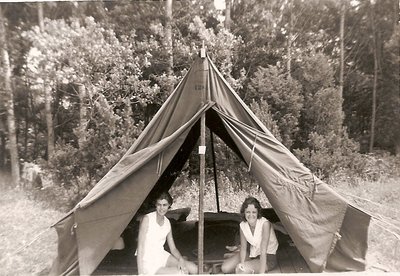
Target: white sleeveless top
255 240
155 237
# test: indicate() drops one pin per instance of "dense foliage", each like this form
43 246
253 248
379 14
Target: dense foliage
282 57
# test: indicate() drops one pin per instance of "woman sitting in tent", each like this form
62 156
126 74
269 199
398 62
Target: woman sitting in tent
154 230
259 233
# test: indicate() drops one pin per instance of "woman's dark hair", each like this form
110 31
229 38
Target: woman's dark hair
248 201
166 196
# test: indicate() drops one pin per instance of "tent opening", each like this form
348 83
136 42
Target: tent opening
221 232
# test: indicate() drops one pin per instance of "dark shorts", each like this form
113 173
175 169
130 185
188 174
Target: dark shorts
272 262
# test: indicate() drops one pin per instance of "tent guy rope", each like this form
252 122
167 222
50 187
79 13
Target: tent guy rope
368 200
24 246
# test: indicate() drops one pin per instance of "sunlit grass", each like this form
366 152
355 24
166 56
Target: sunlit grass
28 245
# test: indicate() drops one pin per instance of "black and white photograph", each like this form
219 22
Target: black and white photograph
146 137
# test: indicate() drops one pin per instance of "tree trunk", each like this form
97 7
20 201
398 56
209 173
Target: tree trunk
290 39
2 142
375 84
49 121
396 10
227 22
168 39
47 98
342 17
82 114
40 16
9 103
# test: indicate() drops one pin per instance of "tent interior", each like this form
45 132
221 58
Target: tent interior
221 228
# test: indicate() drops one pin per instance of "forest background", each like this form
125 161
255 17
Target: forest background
81 80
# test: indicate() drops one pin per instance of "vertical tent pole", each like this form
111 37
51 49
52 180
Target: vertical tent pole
201 195
215 170
202 171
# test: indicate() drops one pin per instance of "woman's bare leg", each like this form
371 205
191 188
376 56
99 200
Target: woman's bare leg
168 270
252 266
172 267
228 266
191 267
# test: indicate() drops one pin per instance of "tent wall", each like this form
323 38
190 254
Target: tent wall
351 249
66 262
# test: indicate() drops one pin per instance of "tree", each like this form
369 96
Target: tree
324 145
227 23
364 61
388 122
47 97
375 82
168 39
283 95
341 73
12 135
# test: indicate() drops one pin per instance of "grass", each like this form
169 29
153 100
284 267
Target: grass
381 199
28 246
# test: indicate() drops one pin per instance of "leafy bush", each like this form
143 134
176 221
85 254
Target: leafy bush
322 110
328 153
108 135
283 95
376 166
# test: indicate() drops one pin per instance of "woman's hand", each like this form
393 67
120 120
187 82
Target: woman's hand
241 268
182 265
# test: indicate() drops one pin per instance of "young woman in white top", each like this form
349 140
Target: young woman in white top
258 232
155 229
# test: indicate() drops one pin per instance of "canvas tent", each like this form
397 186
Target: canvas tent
329 232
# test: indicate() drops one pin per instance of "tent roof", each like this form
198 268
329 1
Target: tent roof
313 214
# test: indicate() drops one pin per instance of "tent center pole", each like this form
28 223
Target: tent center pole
202 153
201 193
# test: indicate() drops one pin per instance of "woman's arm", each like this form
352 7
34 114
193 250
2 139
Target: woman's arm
243 247
144 226
264 245
174 251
